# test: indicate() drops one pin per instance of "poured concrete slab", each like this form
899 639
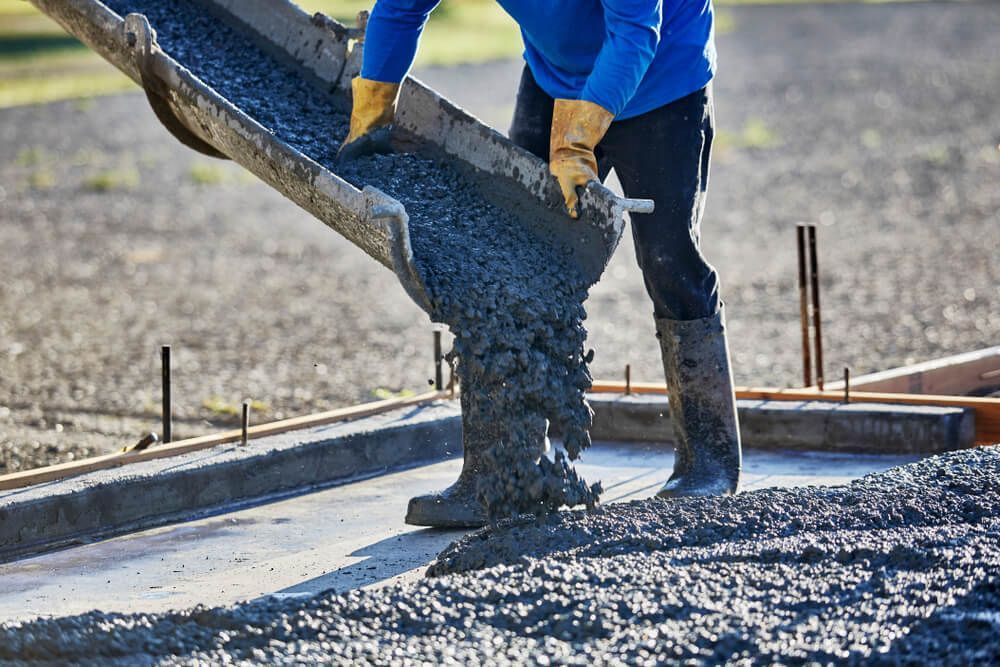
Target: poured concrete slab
225 477
346 537
140 495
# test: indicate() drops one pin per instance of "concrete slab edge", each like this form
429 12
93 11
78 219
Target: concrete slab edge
144 495
874 428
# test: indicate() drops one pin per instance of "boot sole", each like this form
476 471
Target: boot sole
440 515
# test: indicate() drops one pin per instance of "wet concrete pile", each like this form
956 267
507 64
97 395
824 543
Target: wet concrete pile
513 301
899 567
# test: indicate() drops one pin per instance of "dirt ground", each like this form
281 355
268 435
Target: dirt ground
880 123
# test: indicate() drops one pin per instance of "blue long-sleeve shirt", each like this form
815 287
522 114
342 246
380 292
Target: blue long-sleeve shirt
629 56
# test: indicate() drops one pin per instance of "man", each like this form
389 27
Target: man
621 84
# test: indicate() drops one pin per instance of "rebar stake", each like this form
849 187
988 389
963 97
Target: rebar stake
847 384
438 359
800 237
817 327
628 379
245 421
167 409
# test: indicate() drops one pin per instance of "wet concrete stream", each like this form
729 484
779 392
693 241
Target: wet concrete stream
513 300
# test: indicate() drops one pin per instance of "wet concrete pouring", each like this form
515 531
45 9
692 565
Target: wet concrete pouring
899 566
513 301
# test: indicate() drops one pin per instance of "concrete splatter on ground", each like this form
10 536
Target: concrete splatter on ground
898 567
513 300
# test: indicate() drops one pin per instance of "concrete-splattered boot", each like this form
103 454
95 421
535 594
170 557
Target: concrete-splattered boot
458 506
702 407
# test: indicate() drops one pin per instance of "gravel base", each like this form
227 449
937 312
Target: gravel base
883 122
898 567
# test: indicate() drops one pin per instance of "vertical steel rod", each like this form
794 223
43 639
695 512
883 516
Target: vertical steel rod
438 359
452 379
817 328
245 422
800 237
847 384
167 410
628 379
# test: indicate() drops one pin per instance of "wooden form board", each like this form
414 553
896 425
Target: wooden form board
51 473
948 376
987 409
987 423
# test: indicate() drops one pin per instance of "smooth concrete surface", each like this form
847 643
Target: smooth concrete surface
152 493
806 425
345 537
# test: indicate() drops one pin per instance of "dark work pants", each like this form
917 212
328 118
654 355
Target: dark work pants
661 155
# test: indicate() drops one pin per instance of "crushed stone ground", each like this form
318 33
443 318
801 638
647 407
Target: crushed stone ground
900 567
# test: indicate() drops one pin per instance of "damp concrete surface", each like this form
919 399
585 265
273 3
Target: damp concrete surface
899 567
513 301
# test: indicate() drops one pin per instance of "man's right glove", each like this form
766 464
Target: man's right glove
577 127
371 115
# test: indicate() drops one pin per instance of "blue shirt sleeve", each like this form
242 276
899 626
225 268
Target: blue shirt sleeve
633 33
394 28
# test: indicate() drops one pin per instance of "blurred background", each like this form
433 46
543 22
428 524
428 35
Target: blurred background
877 122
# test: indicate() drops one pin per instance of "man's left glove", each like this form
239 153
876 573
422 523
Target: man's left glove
577 127
372 113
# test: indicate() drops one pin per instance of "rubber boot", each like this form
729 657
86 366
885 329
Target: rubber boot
702 407
457 506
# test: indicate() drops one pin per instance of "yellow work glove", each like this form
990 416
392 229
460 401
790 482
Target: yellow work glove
577 127
371 115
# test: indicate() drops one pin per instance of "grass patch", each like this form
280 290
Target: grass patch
382 393
458 31
31 45
754 135
31 157
50 88
219 406
206 173
108 180
41 179
40 63
725 22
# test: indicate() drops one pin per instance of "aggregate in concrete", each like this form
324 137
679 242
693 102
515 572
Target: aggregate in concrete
513 300
898 567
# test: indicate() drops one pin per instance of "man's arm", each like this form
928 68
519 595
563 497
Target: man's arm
633 33
390 45
394 29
